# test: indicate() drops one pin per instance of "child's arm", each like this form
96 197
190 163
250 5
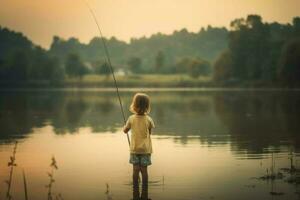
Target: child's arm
127 126
151 125
126 129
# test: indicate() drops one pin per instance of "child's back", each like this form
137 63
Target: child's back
140 126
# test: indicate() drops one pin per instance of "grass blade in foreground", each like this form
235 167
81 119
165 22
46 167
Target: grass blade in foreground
25 186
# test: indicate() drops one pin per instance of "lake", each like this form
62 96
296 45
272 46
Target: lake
208 144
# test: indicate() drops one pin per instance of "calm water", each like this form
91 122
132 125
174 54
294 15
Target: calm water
207 144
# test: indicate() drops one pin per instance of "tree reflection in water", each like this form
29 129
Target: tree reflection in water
248 121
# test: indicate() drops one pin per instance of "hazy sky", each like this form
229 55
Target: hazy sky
41 19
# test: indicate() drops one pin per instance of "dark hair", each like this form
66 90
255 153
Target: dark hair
140 104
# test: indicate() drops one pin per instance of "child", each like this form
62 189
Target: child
140 125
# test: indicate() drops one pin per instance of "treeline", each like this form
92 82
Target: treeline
251 53
159 53
181 52
260 53
22 61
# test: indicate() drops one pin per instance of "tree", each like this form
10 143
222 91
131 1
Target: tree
135 64
296 25
3 70
159 61
101 68
18 66
182 65
199 67
249 46
74 66
11 41
289 64
223 67
53 70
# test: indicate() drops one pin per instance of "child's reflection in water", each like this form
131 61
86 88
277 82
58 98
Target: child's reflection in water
144 194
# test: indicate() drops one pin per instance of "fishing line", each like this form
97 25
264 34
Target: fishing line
109 63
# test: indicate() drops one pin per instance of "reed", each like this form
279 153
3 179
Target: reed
59 197
12 163
108 192
291 158
53 167
273 165
270 172
293 170
25 186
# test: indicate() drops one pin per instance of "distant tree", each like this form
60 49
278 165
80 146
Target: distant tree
289 64
194 69
18 66
3 70
296 25
183 64
62 48
101 68
12 41
223 67
199 67
134 64
249 47
159 61
39 69
205 68
44 67
74 66
53 70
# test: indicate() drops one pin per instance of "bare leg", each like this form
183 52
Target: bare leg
144 172
135 175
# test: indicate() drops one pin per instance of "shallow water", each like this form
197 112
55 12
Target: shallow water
207 144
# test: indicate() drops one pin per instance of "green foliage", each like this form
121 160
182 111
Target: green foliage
135 64
254 50
63 48
74 66
159 61
11 41
158 52
296 25
101 68
23 62
289 64
45 67
199 67
194 67
248 43
223 67
18 66
182 65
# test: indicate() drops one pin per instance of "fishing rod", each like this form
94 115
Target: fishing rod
109 64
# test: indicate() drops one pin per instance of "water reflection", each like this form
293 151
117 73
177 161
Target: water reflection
88 162
137 195
251 122
256 121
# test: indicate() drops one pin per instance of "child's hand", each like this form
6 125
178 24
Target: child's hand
125 130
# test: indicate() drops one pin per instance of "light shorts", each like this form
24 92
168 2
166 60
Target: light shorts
140 159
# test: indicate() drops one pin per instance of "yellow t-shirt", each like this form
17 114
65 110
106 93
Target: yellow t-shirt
140 135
